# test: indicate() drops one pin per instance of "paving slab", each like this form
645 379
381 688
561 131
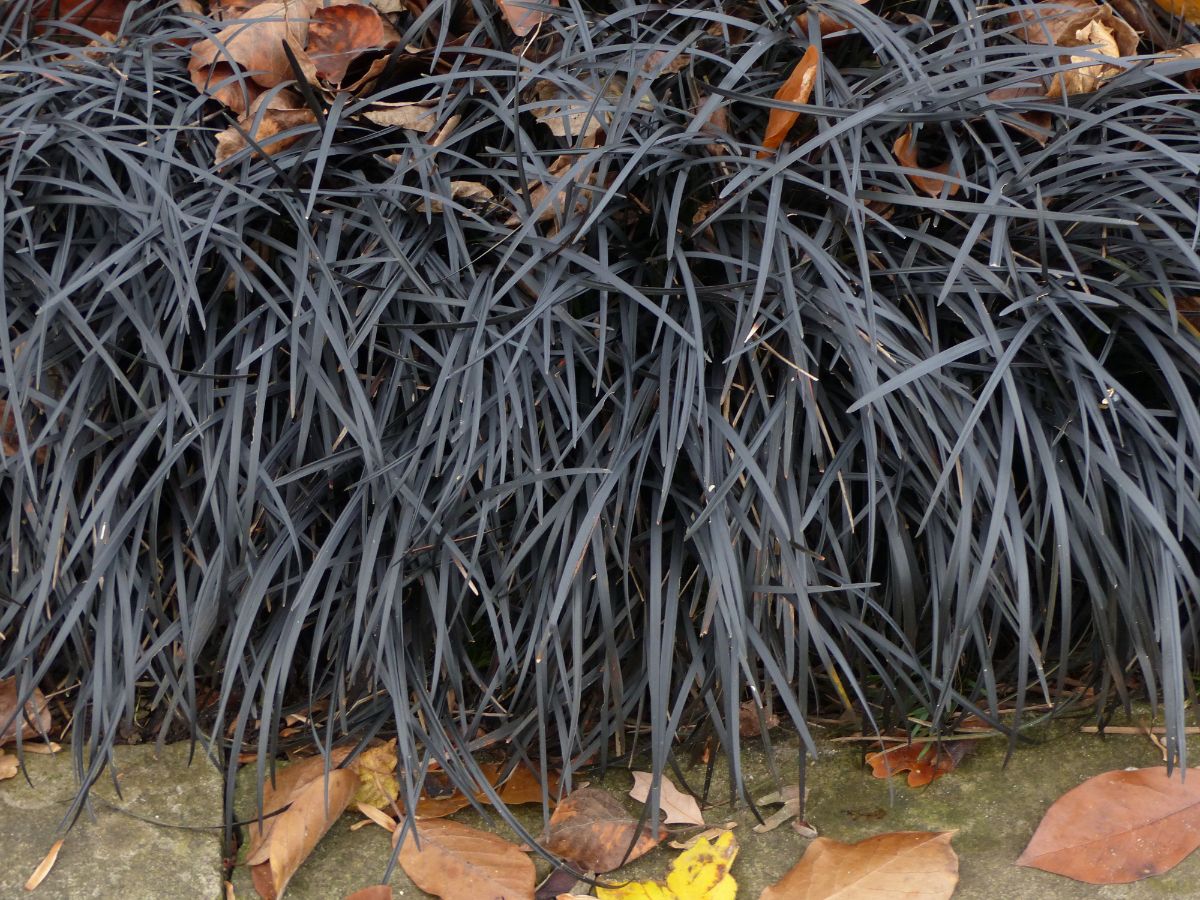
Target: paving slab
994 807
161 838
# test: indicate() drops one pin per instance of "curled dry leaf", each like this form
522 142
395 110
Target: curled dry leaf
676 806
8 765
790 798
826 23
1119 827
376 770
522 16
467 193
339 34
36 717
914 865
923 762
457 862
708 834
416 116
44 867
797 89
905 150
594 832
699 873
540 190
252 45
285 114
310 804
10 445
1078 23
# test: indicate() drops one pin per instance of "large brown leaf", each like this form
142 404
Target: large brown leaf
314 808
915 865
457 862
254 45
593 831
286 115
340 34
35 720
797 89
1119 827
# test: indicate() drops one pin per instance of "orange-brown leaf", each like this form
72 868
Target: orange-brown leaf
36 716
592 830
340 34
457 862
314 808
521 19
525 786
8 765
44 867
916 865
923 762
905 150
97 16
254 46
1119 827
374 892
797 89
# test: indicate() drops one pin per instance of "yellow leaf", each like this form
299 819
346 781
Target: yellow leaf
701 873
376 768
1189 10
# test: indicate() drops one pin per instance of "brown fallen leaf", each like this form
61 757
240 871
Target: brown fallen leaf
789 797
748 723
708 834
97 16
825 22
457 862
540 190
280 843
521 18
36 717
376 770
253 45
376 815
374 892
1119 827
797 89
339 34
914 865
905 150
44 867
924 762
1081 23
592 830
285 115
8 765
417 116
676 806
1188 10
525 786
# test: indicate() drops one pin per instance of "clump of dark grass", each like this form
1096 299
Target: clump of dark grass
717 428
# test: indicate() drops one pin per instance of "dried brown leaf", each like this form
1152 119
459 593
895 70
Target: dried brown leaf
457 862
525 786
374 892
254 45
709 834
905 150
521 18
592 830
299 828
8 765
1119 827
44 867
797 89
420 117
36 717
285 113
790 798
914 865
748 722
676 806
924 762
339 34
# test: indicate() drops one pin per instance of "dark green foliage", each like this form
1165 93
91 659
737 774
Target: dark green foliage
729 426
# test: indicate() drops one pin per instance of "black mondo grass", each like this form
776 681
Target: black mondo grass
579 470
